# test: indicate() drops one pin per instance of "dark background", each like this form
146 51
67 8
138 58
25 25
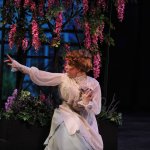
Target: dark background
129 59
128 76
128 72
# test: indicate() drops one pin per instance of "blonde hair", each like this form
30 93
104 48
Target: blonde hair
81 59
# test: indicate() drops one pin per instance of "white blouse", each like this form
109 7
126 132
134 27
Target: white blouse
85 120
70 86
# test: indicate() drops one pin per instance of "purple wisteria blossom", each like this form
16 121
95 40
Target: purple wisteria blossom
10 100
15 93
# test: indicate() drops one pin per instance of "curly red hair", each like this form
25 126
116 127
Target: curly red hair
80 59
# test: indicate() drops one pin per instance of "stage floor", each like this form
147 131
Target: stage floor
134 134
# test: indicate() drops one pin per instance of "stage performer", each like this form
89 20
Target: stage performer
74 125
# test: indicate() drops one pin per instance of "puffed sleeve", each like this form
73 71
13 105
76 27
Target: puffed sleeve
44 78
39 77
96 101
95 104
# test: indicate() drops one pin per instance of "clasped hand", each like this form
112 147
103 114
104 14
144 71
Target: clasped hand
86 96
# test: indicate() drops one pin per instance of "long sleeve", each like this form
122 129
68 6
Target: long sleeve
44 78
96 101
39 77
95 104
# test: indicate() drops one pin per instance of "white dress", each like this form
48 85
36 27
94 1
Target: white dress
70 129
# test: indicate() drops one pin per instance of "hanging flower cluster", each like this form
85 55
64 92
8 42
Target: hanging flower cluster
17 3
11 37
31 4
101 4
24 44
41 6
120 6
59 21
26 3
91 43
85 6
96 65
92 17
94 25
94 30
101 30
50 3
35 35
87 41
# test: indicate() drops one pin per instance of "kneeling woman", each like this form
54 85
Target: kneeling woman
74 125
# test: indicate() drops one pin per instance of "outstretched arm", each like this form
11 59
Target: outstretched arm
15 66
39 77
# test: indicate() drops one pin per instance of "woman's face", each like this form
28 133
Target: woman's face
71 71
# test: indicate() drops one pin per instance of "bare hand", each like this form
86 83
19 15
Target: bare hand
87 96
9 60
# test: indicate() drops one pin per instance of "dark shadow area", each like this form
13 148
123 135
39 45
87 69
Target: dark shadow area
129 75
134 134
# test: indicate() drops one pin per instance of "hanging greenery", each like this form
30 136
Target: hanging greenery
25 20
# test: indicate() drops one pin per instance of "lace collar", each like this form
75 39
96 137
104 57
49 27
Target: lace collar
81 78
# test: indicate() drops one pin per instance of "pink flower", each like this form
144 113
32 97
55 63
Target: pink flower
41 5
24 44
26 3
42 97
35 35
33 6
58 27
95 36
101 3
87 41
101 29
17 3
85 6
11 36
120 9
50 3
96 65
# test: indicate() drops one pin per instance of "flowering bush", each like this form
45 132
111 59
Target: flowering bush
39 110
25 107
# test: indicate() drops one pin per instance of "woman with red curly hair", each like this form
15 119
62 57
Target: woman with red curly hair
74 125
